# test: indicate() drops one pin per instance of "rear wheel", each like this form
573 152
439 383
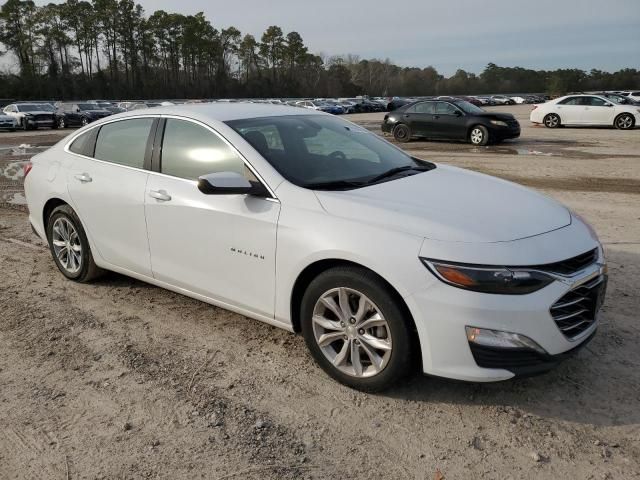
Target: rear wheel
355 329
62 123
402 133
84 121
551 120
69 245
479 135
624 121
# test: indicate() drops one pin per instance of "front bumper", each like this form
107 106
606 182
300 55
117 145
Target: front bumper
442 313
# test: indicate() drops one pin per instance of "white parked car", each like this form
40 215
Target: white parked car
30 116
633 95
302 220
585 110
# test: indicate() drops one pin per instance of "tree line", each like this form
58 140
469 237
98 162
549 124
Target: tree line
111 49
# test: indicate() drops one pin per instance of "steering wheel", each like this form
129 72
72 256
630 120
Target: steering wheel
338 154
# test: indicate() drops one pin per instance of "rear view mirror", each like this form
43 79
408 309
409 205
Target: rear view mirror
229 183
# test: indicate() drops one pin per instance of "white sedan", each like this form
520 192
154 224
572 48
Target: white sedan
585 110
385 263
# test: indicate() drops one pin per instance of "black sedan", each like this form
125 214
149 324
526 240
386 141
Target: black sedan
450 119
79 114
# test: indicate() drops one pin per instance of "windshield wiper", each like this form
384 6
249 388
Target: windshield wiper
393 171
334 185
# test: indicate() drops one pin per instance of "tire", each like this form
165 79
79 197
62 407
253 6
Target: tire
479 135
551 120
386 340
84 122
62 123
624 121
25 125
80 266
402 133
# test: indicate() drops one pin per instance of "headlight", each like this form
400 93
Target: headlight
489 279
499 123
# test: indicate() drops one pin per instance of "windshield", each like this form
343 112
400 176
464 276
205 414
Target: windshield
317 151
469 107
31 107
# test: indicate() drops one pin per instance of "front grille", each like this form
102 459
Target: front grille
43 117
576 311
507 358
570 266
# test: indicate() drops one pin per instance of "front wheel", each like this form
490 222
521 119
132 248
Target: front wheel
402 133
69 245
551 121
84 122
479 135
356 330
62 123
624 122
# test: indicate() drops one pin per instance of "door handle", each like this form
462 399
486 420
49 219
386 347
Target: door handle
83 177
160 195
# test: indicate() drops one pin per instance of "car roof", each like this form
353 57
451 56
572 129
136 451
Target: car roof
223 112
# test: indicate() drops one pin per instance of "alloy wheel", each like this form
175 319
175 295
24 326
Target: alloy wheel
552 121
624 122
352 332
476 136
66 245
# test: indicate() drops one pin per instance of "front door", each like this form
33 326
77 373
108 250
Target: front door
220 246
448 121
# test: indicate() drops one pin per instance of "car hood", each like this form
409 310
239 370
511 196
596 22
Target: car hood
450 204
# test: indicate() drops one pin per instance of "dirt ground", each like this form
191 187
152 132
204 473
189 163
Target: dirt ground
120 379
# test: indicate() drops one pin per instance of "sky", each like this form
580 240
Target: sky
452 34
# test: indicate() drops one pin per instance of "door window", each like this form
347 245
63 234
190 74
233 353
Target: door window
124 142
190 151
596 102
444 108
570 101
425 107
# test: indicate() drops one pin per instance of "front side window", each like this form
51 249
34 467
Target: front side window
124 142
469 107
190 151
596 102
322 150
444 108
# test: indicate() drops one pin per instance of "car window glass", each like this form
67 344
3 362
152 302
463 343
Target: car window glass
444 108
81 144
569 101
596 102
190 151
328 142
269 132
425 107
124 142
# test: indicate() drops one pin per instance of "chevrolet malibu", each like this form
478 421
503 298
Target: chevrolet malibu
384 262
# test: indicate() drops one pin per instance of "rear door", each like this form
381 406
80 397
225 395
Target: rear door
219 246
571 111
421 118
107 185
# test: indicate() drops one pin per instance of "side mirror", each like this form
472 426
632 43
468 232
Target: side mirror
229 183
457 113
77 110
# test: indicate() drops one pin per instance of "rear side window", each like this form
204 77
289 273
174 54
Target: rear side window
124 142
424 107
596 102
190 151
570 101
83 144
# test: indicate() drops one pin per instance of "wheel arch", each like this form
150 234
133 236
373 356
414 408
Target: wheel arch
49 206
314 269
